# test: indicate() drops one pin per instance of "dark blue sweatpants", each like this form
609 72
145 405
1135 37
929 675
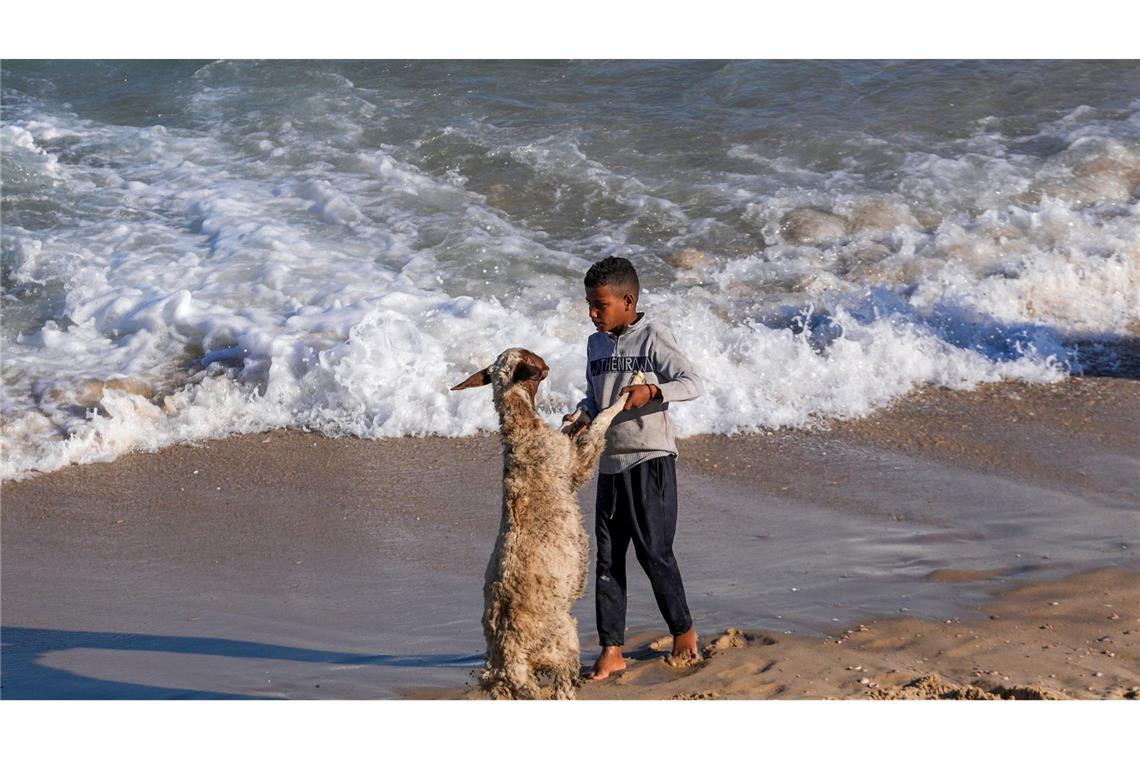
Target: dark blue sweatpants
638 506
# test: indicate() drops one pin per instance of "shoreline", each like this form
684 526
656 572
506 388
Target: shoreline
289 565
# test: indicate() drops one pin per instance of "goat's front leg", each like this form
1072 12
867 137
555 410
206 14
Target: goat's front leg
572 419
580 414
590 443
606 416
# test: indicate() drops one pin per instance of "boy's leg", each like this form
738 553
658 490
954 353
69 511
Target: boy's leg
610 579
653 524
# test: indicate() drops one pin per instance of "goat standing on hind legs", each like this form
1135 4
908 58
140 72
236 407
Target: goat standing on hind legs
540 562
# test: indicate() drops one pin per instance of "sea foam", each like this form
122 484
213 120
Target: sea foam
337 260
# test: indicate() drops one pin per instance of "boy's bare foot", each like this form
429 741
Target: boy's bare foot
685 647
610 661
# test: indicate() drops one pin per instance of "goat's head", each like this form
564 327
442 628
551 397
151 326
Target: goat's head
515 366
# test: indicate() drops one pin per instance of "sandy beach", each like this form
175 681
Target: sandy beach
976 544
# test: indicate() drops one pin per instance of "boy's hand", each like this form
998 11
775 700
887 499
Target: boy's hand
640 395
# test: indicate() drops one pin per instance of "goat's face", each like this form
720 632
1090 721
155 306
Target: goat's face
515 366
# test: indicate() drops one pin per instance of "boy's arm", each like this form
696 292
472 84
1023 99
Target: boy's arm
588 403
677 379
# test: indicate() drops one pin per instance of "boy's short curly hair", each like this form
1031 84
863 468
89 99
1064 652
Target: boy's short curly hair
614 272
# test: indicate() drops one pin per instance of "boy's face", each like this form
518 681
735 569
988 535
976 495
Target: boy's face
611 309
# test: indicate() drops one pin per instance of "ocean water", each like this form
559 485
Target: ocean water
193 249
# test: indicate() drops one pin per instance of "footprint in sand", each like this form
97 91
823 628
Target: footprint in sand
697 695
735 638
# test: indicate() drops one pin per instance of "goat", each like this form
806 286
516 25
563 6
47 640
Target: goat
539 564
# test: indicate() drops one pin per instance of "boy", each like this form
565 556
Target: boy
637 477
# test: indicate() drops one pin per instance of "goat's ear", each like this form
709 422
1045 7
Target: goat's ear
531 366
482 377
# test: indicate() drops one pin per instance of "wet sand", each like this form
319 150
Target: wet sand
287 565
1071 639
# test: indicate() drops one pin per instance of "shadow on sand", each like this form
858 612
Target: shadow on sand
24 677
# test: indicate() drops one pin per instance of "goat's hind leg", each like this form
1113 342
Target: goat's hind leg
519 681
513 681
566 673
493 681
565 680
562 657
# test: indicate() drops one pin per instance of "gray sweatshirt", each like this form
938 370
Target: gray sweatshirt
641 434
